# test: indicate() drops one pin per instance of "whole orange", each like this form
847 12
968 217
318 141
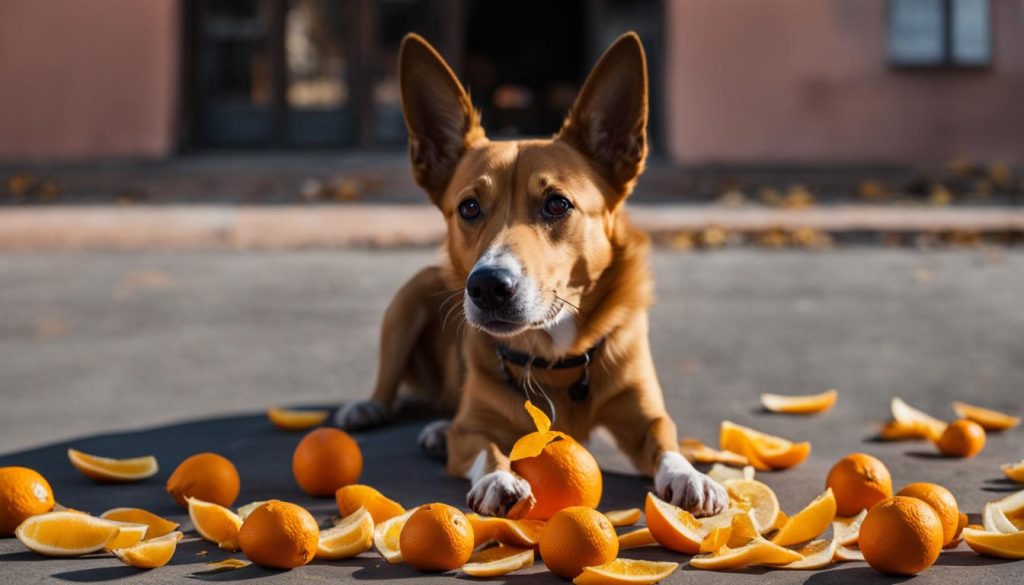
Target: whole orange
859 481
942 501
23 493
279 535
962 438
901 535
575 538
205 476
564 474
437 537
325 461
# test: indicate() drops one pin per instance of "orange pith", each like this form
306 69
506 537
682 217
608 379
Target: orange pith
498 560
990 420
809 522
279 535
206 476
215 523
436 537
962 438
325 461
809 404
859 481
349 537
764 451
157 526
105 469
626 572
901 535
150 554
23 493
846 531
66 534
352 497
387 537
942 501
577 537
296 420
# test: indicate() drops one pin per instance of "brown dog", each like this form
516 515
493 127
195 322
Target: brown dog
552 281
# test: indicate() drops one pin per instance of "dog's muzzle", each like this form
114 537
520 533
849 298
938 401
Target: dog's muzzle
490 287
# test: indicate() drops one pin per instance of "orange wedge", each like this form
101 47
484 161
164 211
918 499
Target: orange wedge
66 534
809 404
698 452
244 511
1014 471
995 544
497 561
113 470
897 431
750 494
130 535
228 565
990 420
756 552
678 530
764 451
352 497
348 538
809 522
157 526
386 537
846 531
215 523
626 572
716 539
817 554
742 530
637 538
516 533
848 553
150 554
911 417
296 420
623 518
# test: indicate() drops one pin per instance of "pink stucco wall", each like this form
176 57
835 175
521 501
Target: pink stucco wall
88 78
806 81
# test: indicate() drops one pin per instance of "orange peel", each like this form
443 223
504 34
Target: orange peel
105 469
807 404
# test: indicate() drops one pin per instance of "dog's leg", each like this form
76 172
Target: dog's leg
494 490
648 436
404 321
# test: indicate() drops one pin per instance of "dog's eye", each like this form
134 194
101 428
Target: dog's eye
469 209
557 206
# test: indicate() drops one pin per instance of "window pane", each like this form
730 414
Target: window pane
916 32
971 31
315 54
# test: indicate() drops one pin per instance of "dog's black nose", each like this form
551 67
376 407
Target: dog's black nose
490 288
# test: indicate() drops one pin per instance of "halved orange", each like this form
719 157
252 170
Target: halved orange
516 533
756 552
763 450
1014 471
622 518
849 553
626 572
130 535
846 531
157 526
352 497
150 554
808 404
678 530
990 420
215 523
911 417
698 452
497 561
387 535
296 420
66 534
817 554
995 544
757 497
808 523
113 470
636 538
348 538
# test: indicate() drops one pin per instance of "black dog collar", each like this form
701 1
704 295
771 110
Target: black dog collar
580 388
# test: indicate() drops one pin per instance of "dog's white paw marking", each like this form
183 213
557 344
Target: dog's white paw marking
362 414
433 439
496 493
680 484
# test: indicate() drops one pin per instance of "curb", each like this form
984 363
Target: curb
297 227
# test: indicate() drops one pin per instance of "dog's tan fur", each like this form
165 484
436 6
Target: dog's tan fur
592 264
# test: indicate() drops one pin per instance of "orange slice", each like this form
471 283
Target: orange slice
215 523
517 533
386 537
995 544
1011 509
626 572
623 518
157 526
1014 471
994 520
296 420
698 452
756 552
66 534
637 538
352 497
350 537
244 511
911 417
750 494
228 565
722 474
150 554
113 470
678 530
130 535
497 561
809 522
898 431
809 404
764 451
716 539
848 553
990 420
846 531
817 554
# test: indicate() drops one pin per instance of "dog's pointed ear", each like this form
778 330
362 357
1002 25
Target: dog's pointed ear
438 114
608 122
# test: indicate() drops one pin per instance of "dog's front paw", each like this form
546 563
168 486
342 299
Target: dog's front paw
433 439
362 414
497 492
680 484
